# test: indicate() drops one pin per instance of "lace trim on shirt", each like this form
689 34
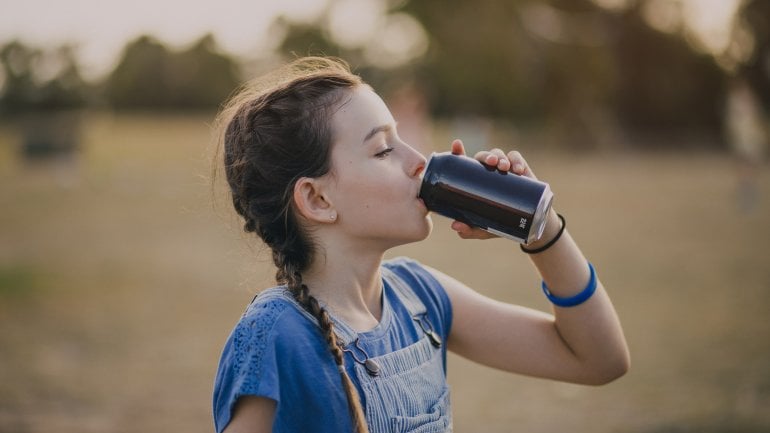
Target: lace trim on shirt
249 341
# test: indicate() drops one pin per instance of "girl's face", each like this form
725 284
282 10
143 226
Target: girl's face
375 177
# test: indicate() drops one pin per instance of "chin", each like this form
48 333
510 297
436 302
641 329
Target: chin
415 234
429 226
424 231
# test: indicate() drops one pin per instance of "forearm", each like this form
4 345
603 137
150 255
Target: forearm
591 330
586 343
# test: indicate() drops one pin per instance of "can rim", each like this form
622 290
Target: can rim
543 207
424 175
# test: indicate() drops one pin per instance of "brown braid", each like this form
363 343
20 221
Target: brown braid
310 303
275 132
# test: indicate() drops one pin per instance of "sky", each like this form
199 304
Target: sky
100 28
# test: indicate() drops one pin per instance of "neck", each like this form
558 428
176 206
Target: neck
349 283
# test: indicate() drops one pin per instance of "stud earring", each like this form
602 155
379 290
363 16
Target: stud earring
333 216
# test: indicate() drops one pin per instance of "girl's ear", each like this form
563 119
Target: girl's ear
311 202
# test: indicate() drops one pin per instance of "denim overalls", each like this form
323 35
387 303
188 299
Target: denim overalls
410 392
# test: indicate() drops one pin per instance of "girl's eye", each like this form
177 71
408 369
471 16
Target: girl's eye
384 153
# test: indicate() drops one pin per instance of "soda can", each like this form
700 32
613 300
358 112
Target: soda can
501 203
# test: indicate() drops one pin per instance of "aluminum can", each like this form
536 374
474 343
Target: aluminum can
501 203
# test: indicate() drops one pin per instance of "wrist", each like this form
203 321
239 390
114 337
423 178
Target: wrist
554 228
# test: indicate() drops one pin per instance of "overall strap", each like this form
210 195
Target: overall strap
346 335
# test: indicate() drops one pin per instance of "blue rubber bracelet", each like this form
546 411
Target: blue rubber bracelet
578 299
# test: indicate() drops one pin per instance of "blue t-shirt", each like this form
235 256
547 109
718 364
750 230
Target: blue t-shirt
277 351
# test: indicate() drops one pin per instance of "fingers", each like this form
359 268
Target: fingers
519 164
513 161
467 232
493 158
498 159
458 148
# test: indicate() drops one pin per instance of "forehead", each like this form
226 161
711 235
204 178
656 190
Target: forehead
360 111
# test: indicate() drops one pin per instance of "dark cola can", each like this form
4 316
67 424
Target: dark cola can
505 204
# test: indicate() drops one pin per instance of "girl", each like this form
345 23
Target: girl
348 342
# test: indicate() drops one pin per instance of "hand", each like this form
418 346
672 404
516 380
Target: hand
512 162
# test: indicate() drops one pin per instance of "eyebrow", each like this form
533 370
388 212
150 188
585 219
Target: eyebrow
377 129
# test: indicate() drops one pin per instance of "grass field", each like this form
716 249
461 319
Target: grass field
120 280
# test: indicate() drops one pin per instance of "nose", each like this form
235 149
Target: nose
415 162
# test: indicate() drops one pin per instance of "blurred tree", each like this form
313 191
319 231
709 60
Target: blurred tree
67 89
479 60
34 79
756 16
150 76
41 90
303 39
570 61
18 87
309 39
574 70
140 78
202 76
662 83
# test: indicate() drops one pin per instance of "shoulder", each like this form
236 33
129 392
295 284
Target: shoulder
424 284
269 326
261 316
266 309
262 344
412 271
270 316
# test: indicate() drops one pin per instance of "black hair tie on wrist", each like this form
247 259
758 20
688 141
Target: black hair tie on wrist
551 242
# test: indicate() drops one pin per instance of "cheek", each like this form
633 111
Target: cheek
369 198
366 198
370 187
354 192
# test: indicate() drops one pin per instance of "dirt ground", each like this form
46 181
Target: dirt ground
120 280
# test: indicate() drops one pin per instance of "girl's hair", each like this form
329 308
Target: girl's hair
274 132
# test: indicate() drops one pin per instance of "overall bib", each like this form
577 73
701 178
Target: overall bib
410 393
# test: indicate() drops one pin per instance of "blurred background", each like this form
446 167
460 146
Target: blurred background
123 268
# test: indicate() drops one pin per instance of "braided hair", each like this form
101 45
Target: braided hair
276 131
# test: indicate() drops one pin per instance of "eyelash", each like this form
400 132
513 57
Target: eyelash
384 153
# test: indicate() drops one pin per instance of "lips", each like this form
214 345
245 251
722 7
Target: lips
422 204
419 189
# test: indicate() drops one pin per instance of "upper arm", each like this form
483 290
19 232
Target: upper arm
252 415
249 362
505 336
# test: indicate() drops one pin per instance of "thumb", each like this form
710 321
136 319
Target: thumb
458 148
